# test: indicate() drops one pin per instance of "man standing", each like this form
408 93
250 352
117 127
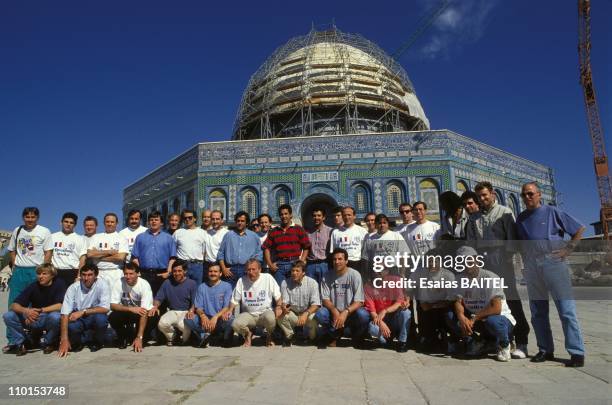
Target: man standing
255 293
337 215
494 231
301 300
154 252
26 251
132 230
405 210
214 237
237 247
350 238
342 298
85 306
36 309
173 223
90 228
547 270
481 305
108 250
317 266
131 299
213 319
455 217
265 223
178 292
370 223
190 246
384 242
66 250
206 220
287 243
420 235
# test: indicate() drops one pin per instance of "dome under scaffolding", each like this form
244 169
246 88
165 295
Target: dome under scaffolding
328 83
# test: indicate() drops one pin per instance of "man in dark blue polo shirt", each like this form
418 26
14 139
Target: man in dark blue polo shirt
154 252
37 309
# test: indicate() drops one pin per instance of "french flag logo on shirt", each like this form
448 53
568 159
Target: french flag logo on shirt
248 294
345 239
58 244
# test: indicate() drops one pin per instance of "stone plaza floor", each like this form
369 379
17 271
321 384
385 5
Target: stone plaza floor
307 375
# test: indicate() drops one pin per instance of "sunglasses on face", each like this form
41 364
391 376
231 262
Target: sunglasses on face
528 194
405 211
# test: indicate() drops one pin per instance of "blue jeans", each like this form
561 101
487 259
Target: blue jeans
544 275
96 322
238 270
15 327
223 328
317 271
357 322
195 271
497 326
398 322
284 270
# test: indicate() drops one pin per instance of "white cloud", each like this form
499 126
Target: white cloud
462 22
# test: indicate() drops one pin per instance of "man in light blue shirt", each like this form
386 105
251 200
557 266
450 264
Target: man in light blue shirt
238 246
212 316
85 306
154 252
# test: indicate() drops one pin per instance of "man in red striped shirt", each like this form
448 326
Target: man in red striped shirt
287 243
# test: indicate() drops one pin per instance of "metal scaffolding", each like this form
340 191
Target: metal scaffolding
324 83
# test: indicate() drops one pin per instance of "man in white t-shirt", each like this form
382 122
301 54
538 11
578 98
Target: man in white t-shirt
214 237
66 250
132 230
384 242
26 251
191 245
420 236
256 293
109 250
90 228
405 211
131 299
480 304
206 220
350 238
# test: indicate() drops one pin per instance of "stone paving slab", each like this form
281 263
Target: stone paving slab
307 375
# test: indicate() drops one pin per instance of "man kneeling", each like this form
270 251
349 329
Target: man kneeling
255 292
131 299
85 306
301 301
481 308
178 292
36 310
212 315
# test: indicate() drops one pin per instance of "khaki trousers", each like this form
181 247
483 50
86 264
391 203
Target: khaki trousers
244 321
288 322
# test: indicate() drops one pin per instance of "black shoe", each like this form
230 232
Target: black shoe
22 351
286 342
94 347
123 344
575 361
541 357
323 341
76 348
49 349
402 347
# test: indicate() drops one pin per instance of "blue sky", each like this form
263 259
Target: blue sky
93 95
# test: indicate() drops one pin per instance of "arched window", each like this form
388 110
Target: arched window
428 192
249 202
461 187
395 196
500 196
176 205
361 199
218 201
513 205
282 195
164 211
189 200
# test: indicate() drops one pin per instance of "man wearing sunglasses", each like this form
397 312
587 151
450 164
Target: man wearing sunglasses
547 271
190 245
405 210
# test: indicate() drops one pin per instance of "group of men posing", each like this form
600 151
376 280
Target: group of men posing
205 283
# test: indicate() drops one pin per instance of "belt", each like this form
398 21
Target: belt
153 270
292 259
195 261
317 261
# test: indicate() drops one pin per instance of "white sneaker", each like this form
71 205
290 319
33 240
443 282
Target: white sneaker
519 352
503 354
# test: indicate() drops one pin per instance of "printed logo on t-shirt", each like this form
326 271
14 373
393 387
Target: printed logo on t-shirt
26 245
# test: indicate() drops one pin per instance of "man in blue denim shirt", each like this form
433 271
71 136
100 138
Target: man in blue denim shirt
546 270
